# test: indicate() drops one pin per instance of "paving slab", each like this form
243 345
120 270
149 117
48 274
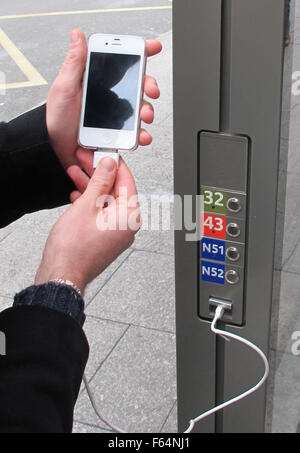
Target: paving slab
95 286
292 263
102 337
283 404
170 425
155 241
80 428
141 292
285 315
4 232
5 302
20 256
136 387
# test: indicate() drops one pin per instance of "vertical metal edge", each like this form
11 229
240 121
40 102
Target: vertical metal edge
197 53
256 71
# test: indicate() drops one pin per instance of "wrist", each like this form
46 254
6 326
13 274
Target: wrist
61 281
63 143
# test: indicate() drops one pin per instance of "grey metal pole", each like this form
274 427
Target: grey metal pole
228 76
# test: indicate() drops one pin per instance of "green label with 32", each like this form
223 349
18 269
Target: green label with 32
214 200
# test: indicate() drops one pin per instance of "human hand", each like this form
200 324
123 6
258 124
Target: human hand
65 97
95 230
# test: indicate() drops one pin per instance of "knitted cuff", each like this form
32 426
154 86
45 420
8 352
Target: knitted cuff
57 297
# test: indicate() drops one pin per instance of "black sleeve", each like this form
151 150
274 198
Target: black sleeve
40 376
32 177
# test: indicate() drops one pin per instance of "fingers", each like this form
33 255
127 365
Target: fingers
145 138
72 71
86 160
153 47
147 112
102 180
79 178
74 196
151 88
125 184
123 179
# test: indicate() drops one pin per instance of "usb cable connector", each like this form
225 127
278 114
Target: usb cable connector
101 153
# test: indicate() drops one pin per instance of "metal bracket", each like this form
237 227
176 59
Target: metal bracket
220 302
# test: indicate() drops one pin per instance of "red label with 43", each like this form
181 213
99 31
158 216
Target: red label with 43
214 226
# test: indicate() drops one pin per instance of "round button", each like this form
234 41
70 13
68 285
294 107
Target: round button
233 254
234 205
232 277
106 138
233 230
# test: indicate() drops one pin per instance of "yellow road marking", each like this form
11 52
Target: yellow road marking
14 85
86 11
33 76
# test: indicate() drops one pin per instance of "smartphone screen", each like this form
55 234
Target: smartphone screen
112 91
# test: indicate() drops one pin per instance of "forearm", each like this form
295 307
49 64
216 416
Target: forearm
45 359
32 178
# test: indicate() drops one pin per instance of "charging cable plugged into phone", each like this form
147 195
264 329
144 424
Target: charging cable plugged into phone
101 153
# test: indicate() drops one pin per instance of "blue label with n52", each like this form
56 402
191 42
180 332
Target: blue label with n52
213 272
212 249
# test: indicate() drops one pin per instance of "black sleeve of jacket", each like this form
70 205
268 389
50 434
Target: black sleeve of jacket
32 177
40 376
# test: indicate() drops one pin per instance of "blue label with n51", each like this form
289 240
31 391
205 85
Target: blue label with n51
213 272
212 249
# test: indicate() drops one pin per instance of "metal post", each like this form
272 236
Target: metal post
229 58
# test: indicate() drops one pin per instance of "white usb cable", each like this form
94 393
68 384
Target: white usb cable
218 315
99 415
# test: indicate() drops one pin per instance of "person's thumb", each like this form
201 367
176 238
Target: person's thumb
103 179
71 73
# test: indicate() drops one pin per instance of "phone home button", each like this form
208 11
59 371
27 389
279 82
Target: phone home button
106 139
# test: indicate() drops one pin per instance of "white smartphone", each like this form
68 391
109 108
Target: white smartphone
112 92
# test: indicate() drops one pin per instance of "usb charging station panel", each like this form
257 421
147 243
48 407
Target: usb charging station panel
223 185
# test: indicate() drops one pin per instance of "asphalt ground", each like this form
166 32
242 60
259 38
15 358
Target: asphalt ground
38 33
